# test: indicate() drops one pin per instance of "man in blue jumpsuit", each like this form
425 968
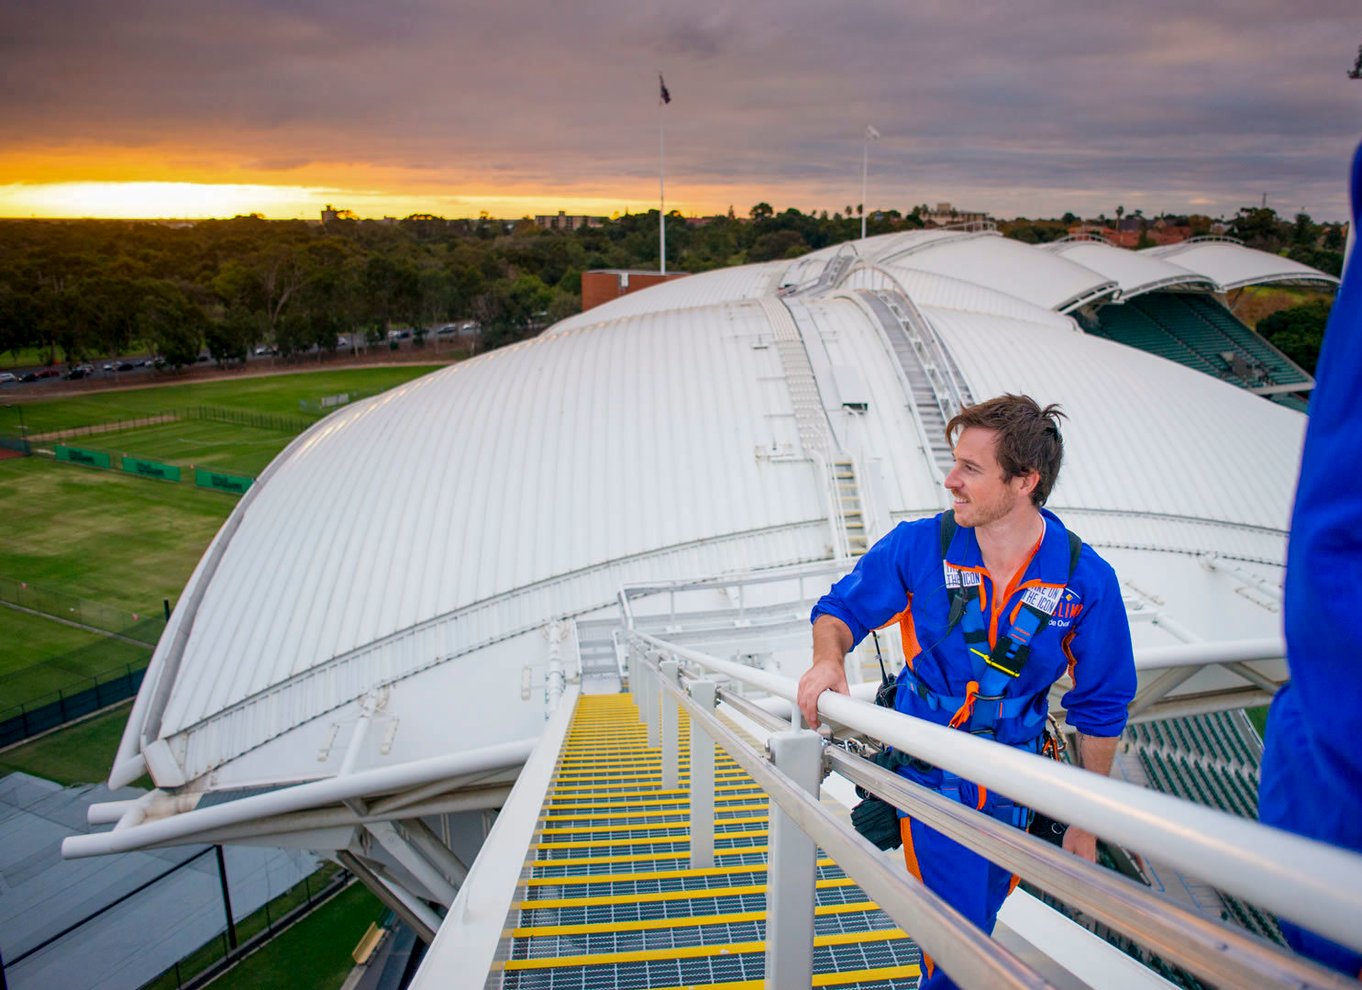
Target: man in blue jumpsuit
1311 781
987 631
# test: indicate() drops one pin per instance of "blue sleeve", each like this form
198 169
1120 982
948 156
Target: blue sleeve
877 588
1324 558
1101 657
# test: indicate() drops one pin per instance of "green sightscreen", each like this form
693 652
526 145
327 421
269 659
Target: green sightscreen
150 469
78 455
234 484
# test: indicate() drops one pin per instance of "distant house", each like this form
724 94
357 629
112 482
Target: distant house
563 221
945 215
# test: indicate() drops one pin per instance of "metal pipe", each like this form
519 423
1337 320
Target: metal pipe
1314 884
419 918
967 953
380 780
1218 953
421 869
1200 654
343 817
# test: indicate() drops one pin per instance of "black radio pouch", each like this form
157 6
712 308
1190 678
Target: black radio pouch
873 817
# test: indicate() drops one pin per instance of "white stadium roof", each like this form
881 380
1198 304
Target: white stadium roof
403 557
1230 265
385 653
1135 272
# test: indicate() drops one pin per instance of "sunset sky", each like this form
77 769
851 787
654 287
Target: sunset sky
152 108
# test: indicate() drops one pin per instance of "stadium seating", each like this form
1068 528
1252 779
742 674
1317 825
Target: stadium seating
1197 331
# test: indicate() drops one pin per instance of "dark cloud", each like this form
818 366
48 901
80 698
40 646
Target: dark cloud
1017 108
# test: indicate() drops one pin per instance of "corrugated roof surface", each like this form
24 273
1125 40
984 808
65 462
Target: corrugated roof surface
703 289
531 462
1134 271
1231 266
1038 277
455 515
1144 435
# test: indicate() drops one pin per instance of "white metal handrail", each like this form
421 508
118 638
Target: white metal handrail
1314 884
1222 955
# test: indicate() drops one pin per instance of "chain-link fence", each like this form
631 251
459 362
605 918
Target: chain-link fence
142 626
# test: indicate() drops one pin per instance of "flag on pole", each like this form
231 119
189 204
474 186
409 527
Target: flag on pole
871 133
663 95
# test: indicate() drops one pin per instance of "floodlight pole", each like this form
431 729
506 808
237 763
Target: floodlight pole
865 168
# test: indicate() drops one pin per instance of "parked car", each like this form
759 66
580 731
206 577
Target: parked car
76 373
125 366
49 373
7 376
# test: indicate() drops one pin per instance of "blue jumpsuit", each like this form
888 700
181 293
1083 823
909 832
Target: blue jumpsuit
1088 637
1312 766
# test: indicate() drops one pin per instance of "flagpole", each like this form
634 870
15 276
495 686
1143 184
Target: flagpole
661 185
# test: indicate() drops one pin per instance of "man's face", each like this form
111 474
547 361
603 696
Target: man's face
980 493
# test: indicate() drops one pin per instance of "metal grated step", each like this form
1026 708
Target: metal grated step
611 902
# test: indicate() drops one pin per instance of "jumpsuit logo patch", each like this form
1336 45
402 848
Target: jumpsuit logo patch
958 578
1067 609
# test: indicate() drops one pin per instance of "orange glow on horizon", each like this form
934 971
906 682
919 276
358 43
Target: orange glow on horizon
137 200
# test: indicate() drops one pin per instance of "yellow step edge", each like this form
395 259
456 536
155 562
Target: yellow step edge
642 782
819 979
676 798
644 857
543 931
693 951
726 788
714 871
645 813
645 826
654 841
655 897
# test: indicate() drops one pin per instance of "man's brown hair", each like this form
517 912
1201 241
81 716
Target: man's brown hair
1028 437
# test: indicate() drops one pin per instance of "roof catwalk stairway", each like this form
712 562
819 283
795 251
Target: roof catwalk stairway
612 899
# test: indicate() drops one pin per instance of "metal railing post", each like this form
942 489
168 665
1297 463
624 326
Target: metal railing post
701 781
792 869
650 687
670 728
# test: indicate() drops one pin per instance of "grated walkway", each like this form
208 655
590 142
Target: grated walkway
613 902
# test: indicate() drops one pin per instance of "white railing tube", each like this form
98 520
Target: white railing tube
1314 884
970 956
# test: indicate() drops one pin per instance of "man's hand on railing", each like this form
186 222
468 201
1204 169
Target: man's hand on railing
1082 844
825 676
832 640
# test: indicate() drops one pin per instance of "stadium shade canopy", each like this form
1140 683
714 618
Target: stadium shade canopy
397 585
1136 273
1230 265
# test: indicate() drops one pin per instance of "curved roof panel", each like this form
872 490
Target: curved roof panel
1135 272
403 557
1007 266
1231 265
704 289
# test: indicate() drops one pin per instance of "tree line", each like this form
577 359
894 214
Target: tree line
83 289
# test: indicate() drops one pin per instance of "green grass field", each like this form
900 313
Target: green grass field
202 443
39 657
103 535
124 541
312 955
277 394
79 754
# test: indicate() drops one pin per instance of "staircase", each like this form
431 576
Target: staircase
849 504
612 901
